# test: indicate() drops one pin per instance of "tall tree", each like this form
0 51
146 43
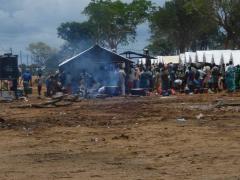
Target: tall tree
110 23
41 53
181 23
77 35
227 16
224 14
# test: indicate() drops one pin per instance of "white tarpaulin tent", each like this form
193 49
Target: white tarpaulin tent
170 59
236 57
159 59
189 56
216 56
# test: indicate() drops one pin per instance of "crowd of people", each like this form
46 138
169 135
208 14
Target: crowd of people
190 78
162 79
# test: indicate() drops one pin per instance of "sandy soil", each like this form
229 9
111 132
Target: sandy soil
134 138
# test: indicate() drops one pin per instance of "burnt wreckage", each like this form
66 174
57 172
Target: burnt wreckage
9 71
97 66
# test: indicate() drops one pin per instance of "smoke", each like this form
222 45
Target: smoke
95 68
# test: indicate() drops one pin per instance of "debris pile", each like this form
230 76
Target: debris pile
226 103
56 101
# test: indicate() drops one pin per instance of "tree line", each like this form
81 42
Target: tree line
177 26
182 25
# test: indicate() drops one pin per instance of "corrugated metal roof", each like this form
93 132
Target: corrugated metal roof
97 53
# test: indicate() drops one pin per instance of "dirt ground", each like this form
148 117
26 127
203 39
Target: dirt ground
132 138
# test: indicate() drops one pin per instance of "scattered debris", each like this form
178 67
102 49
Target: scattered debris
150 168
94 139
29 131
24 99
6 96
4 124
97 139
56 101
122 136
102 96
200 116
2 121
6 100
227 103
181 120
210 91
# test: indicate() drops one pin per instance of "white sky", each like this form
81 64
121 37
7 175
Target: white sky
26 21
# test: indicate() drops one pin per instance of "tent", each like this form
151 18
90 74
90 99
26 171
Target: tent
93 56
170 59
219 56
156 60
96 62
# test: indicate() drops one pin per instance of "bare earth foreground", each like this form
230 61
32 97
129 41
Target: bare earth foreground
122 138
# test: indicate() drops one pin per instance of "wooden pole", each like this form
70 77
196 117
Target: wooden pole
27 60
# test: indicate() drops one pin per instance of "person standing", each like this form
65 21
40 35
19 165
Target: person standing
69 82
230 77
47 82
122 77
190 75
131 78
172 75
157 82
237 77
27 80
62 79
39 84
215 76
221 81
207 77
137 77
165 80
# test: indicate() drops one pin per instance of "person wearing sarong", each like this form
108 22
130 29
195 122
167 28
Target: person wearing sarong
172 75
214 78
230 77
131 77
237 82
180 78
207 77
165 80
145 79
137 77
221 80
39 84
190 75
157 83
121 82
27 80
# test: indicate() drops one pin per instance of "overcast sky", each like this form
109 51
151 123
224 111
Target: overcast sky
26 21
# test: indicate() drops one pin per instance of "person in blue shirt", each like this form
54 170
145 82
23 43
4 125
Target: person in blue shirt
27 80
